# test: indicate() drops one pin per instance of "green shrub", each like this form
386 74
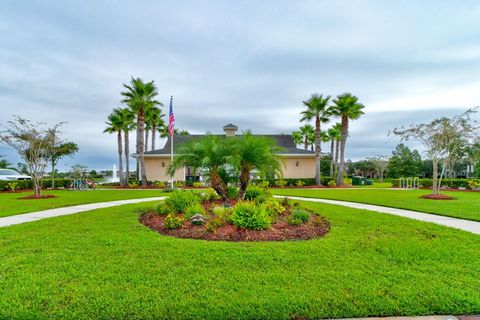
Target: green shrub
232 193
214 224
249 215
179 184
179 200
223 212
473 185
300 183
173 222
257 194
264 184
273 208
197 184
332 183
133 184
208 195
298 217
163 209
12 186
281 183
194 209
285 202
159 184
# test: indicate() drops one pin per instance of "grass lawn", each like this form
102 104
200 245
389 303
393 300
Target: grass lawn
467 205
104 264
11 205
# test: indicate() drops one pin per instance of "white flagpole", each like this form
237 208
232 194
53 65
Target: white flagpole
171 142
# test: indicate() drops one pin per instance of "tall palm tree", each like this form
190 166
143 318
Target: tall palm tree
347 108
297 137
139 96
211 154
317 108
255 153
115 125
334 134
156 121
128 121
164 133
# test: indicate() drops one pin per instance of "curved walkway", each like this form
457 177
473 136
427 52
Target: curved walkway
466 225
39 215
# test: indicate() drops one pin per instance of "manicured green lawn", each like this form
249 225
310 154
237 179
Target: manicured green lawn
10 204
467 205
104 264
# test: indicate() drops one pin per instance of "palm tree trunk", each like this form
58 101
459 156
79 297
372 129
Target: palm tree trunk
341 167
154 136
120 162
305 142
318 150
127 160
140 145
331 156
244 180
217 185
146 140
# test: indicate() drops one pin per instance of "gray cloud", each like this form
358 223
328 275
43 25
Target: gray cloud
246 62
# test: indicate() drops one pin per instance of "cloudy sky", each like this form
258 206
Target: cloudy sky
247 62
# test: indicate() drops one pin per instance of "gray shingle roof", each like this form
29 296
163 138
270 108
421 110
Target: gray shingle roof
284 141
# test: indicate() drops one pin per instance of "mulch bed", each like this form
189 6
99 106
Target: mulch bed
279 231
437 197
34 197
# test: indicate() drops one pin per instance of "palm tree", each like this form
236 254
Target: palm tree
255 153
115 125
334 134
139 96
297 137
155 121
163 130
347 108
317 108
211 154
128 124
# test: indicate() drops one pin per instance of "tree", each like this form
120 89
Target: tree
154 121
58 151
4 163
33 143
334 134
440 138
305 135
380 163
116 125
139 96
347 108
212 155
127 119
404 162
255 153
317 108
163 130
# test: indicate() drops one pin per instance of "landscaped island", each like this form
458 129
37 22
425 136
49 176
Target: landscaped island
260 217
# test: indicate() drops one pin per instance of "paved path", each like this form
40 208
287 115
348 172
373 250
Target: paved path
34 216
466 225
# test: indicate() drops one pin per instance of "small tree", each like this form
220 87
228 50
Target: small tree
33 143
440 139
58 150
380 163
4 163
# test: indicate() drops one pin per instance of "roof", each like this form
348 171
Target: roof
230 126
284 141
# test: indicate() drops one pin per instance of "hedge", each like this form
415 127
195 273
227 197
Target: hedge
446 182
293 182
28 184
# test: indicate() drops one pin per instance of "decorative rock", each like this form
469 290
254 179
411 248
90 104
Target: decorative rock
197 220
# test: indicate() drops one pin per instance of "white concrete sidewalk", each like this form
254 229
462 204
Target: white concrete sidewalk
466 225
39 215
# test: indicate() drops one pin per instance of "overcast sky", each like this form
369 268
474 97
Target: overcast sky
246 62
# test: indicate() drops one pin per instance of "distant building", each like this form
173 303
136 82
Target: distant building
298 163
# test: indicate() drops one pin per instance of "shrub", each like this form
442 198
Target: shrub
298 217
473 185
223 213
332 183
194 209
264 184
159 184
167 189
12 186
257 194
214 224
347 181
250 216
180 200
285 202
208 195
300 183
179 184
197 184
163 209
173 222
133 184
273 208
281 183
232 193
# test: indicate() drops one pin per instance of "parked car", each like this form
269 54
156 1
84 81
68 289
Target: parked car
9 174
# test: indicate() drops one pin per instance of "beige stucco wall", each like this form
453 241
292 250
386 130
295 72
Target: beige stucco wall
157 172
305 168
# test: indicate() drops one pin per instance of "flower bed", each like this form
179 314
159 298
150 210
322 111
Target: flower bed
259 217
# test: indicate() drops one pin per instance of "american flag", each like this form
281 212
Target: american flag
171 119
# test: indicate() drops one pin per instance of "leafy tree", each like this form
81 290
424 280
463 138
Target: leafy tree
4 163
364 167
140 96
59 151
254 153
212 155
347 108
115 124
380 163
305 135
317 108
404 162
33 142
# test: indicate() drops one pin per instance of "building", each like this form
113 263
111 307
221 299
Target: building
298 163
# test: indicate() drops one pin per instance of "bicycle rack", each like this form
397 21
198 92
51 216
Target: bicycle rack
416 183
401 183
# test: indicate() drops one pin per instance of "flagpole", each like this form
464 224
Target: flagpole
171 143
